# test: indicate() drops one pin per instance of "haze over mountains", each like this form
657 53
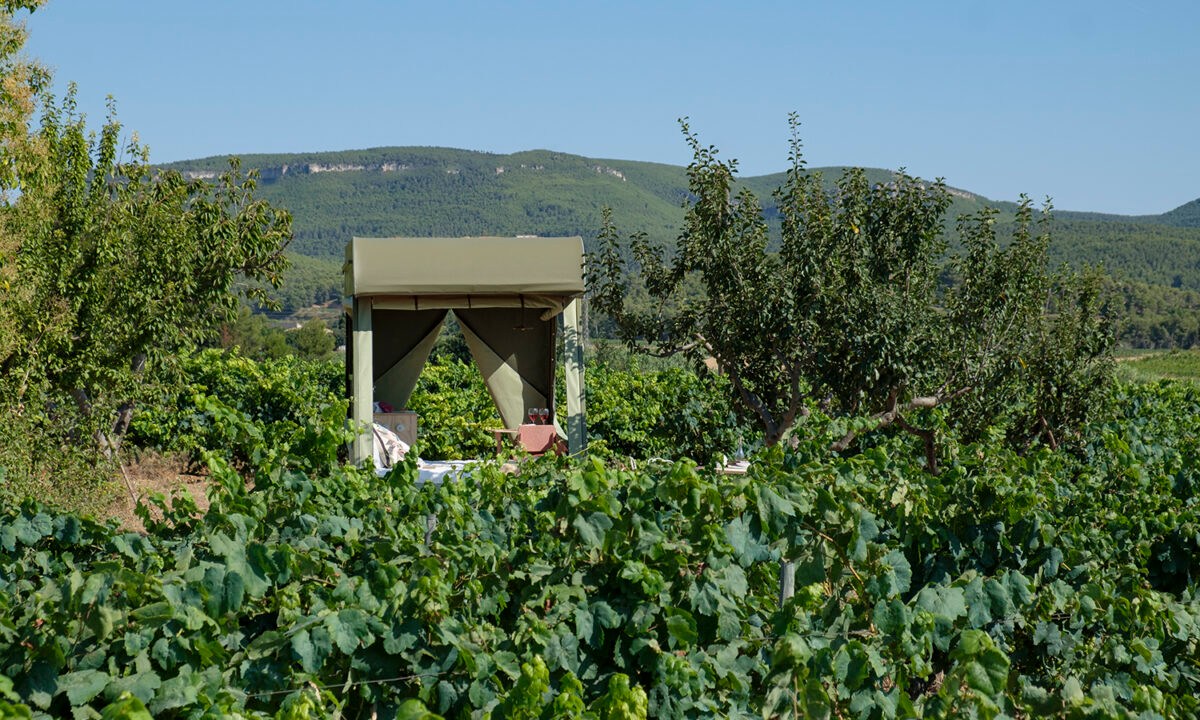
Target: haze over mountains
449 192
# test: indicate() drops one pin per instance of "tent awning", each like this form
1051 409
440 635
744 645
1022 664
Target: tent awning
465 266
546 306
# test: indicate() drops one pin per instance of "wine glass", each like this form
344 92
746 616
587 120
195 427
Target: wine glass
544 414
533 415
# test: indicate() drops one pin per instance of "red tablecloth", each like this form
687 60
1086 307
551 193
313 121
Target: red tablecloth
537 438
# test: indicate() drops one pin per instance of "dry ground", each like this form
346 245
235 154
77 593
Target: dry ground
150 472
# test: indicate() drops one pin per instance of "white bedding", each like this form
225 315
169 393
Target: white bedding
435 471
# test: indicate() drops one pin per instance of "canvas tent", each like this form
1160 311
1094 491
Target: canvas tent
513 297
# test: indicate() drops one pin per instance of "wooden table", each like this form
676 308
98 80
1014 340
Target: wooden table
534 439
502 436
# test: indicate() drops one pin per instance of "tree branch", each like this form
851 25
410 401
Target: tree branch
884 418
771 429
654 351
1048 432
892 412
931 463
795 406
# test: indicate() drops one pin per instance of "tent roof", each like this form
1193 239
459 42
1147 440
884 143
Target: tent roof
464 265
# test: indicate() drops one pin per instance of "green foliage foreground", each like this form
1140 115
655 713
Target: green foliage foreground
1010 585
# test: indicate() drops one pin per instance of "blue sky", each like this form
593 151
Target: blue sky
1096 104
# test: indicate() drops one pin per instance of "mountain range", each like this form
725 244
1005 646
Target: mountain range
449 192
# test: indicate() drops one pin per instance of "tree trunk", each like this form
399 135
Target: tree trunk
893 414
109 443
931 463
84 403
125 412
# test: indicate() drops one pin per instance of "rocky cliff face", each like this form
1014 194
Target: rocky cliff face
269 174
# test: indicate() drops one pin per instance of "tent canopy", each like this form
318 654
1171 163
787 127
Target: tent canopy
508 295
505 266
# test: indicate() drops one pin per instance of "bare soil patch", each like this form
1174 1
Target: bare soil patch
151 472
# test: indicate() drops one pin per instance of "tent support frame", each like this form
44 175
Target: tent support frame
573 354
362 401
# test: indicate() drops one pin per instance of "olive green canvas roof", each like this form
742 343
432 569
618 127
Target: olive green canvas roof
464 266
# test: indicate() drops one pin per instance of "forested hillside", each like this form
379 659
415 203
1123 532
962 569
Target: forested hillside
438 191
1186 215
443 191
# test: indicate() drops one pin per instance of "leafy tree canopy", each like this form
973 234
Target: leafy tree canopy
849 312
108 265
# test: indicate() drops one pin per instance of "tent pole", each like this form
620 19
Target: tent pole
362 399
573 354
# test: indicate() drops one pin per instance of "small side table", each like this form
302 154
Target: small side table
501 434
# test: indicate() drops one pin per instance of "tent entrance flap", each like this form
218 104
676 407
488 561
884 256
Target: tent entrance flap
402 343
514 350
